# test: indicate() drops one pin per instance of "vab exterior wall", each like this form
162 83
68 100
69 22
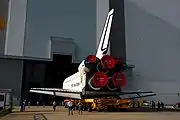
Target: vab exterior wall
4 16
33 23
60 18
11 76
152 36
152 45
14 41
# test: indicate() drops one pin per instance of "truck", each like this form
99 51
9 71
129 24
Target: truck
2 100
102 104
5 98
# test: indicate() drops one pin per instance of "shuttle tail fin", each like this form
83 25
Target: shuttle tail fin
104 40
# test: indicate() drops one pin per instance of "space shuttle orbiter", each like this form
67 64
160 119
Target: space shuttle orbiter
98 75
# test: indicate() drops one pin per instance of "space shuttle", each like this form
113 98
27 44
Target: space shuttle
98 75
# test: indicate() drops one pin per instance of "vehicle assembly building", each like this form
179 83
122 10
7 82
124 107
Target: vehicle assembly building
42 42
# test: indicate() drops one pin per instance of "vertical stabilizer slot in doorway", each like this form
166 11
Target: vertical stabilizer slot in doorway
59 69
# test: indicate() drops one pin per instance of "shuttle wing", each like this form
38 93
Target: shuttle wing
57 92
80 95
133 95
121 95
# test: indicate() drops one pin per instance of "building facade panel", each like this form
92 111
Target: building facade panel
15 28
117 36
11 76
64 18
167 10
3 16
148 37
151 45
102 8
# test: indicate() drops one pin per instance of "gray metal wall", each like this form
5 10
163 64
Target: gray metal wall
60 18
11 76
152 45
102 8
15 28
32 23
117 35
4 15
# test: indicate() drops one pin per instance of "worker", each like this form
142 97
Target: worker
70 107
138 104
54 105
134 103
80 107
37 103
153 104
29 104
24 105
73 107
44 104
158 105
62 103
162 105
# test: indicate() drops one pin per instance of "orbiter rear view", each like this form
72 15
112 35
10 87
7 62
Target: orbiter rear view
98 75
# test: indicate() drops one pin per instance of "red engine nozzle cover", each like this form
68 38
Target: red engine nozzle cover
108 62
100 79
91 59
119 79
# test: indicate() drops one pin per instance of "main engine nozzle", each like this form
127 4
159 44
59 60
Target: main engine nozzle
119 79
108 62
99 80
91 59
90 62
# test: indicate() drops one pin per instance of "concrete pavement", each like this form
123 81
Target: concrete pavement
61 113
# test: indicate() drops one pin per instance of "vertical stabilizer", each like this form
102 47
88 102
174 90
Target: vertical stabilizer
104 40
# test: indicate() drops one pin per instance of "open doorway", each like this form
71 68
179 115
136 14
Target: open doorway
57 71
60 68
54 74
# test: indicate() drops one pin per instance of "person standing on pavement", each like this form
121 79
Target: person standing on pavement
153 104
54 106
70 107
24 105
80 106
37 103
158 106
44 104
162 105
21 104
29 104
